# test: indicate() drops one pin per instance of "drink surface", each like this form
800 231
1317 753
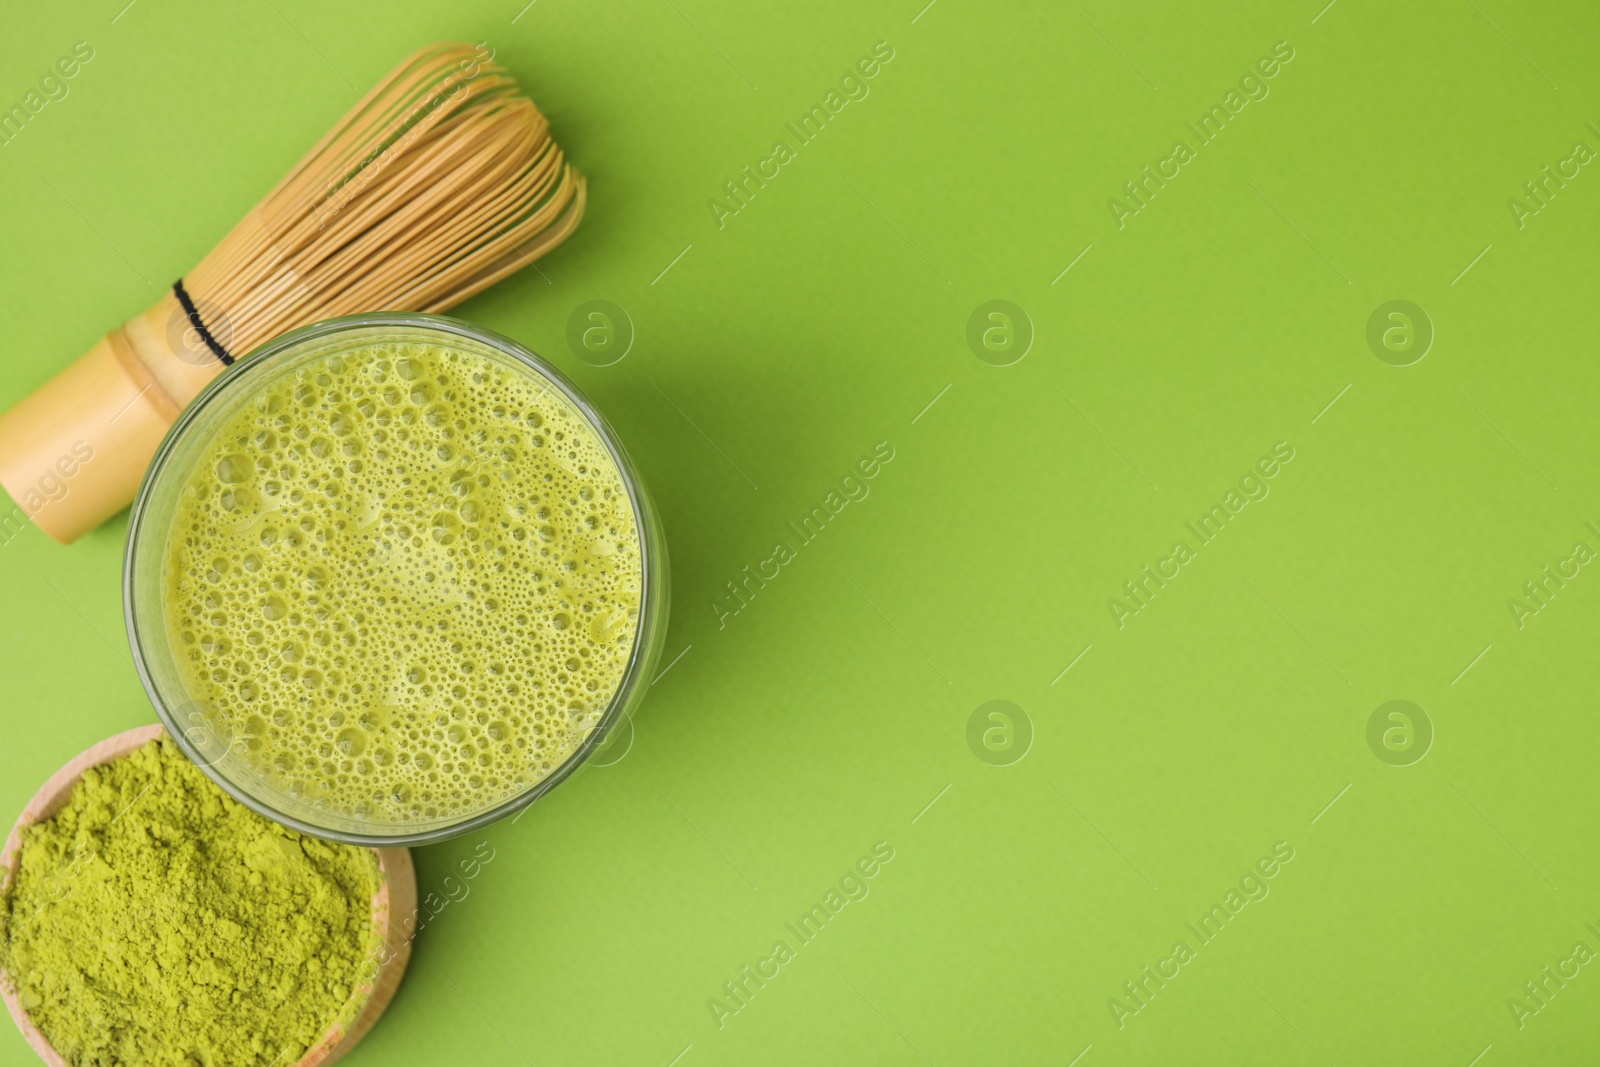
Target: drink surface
404 580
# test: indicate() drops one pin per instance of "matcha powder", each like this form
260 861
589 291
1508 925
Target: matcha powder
155 920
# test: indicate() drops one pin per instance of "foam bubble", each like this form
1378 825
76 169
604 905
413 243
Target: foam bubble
409 577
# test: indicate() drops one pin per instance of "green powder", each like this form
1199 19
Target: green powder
155 920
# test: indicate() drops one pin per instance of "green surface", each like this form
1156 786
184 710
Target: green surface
775 352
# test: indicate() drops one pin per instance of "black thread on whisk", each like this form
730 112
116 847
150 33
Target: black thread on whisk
200 327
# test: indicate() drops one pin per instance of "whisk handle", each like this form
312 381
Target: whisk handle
72 453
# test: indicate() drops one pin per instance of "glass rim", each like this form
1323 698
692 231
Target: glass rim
651 568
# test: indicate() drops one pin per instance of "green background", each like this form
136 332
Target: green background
822 319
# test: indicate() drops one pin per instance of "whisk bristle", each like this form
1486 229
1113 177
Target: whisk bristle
438 183
441 181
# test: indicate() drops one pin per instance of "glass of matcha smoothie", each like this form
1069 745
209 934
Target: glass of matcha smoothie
391 578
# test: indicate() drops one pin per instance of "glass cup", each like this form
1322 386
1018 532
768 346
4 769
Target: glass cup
201 730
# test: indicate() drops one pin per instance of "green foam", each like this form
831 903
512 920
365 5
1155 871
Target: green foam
406 579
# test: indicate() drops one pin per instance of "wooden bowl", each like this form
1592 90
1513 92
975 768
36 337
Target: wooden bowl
395 899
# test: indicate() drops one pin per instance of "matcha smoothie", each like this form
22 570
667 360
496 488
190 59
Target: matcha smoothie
406 580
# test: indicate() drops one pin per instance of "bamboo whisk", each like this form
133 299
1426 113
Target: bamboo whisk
441 181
